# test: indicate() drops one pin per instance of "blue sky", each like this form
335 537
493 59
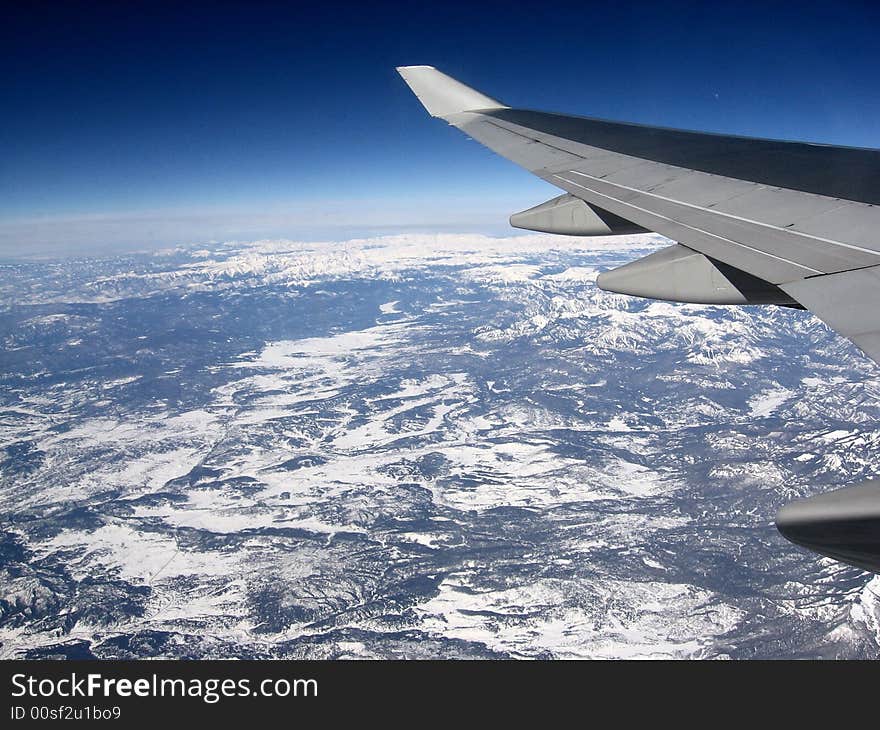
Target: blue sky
137 124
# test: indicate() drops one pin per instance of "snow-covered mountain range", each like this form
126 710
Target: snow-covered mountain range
416 446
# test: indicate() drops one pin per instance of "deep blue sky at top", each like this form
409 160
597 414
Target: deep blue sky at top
147 114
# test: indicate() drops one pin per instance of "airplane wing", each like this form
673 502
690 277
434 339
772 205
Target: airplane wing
756 221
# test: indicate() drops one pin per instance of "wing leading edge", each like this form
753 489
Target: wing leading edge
755 220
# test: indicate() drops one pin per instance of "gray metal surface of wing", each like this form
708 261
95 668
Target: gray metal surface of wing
755 220
783 212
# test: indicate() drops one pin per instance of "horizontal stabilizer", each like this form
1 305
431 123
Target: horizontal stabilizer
572 216
442 95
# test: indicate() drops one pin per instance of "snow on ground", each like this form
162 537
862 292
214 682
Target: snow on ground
482 448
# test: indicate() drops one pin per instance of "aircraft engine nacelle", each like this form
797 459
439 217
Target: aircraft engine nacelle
843 524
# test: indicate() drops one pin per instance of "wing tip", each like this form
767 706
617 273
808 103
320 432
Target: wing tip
443 95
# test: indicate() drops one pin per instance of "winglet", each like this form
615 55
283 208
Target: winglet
442 95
